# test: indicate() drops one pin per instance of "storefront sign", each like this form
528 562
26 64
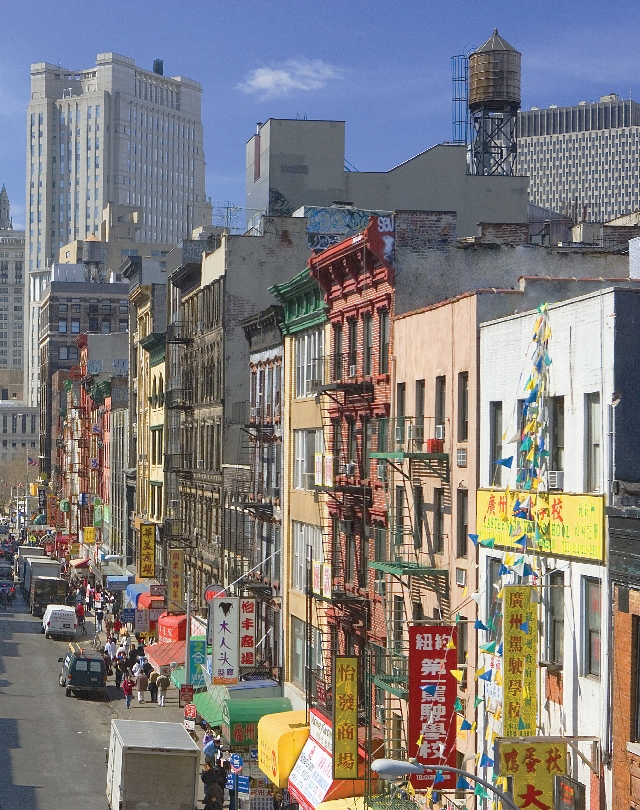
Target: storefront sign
198 659
224 626
520 661
569 794
320 730
176 578
345 717
533 767
432 695
556 523
326 581
311 777
328 470
128 615
52 510
318 469
156 589
186 693
147 556
247 632
316 577
89 535
141 624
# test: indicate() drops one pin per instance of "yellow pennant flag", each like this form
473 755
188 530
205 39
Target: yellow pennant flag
450 644
458 674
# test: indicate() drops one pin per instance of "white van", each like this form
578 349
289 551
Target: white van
59 620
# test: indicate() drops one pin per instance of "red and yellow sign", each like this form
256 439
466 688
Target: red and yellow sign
555 522
345 717
520 654
176 572
147 556
52 510
533 767
89 535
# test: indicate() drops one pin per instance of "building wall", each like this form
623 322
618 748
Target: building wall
12 311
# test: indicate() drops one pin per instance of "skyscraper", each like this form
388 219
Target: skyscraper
112 133
12 307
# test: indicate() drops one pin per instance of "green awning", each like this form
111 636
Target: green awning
240 718
209 705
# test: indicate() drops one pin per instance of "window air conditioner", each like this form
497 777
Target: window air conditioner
382 472
555 479
461 577
440 432
351 469
346 526
200 464
254 413
410 431
352 371
200 326
399 434
379 587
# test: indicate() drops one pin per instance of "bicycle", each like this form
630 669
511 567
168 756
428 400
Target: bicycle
95 641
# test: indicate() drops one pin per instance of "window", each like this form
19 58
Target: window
594 459
419 418
352 442
367 345
383 318
591 614
462 523
305 536
353 347
463 406
418 508
62 327
438 521
298 652
399 516
557 433
307 444
367 428
554 620
400 412
494 605
337 351
441 403
75 327
462 648
495 450
63 353
309 361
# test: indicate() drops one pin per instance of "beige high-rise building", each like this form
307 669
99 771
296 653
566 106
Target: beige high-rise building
12 306
113 133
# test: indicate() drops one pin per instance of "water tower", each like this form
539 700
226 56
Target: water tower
494 101
92 256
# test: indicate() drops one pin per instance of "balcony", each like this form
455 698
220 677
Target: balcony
180 399
173 462
178 333
391 672
417 439
340 372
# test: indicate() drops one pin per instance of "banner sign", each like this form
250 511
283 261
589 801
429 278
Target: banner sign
326 581
328 470
318 467
147 558
533 767
520 664
52 510
316 577
311 777
432 694
141 623
198 659
554 522
224 625
345 717
247 632
176 578
89 535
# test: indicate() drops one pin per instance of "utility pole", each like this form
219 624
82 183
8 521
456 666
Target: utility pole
187 656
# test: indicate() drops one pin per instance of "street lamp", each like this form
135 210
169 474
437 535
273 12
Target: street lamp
392 769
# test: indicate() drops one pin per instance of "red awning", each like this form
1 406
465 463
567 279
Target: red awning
161 655
145 600
172 627
79 563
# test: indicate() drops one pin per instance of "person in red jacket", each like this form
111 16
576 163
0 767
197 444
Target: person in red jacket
80 615
127 688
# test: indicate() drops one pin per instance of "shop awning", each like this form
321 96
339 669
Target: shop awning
211 703
134 591
240 718
172 627
79 563
352 803
118 583
281 738
162 655
145 600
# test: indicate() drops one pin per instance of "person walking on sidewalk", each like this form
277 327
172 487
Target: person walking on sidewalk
121 669
127 688
142 684
153 685
99 619
163 685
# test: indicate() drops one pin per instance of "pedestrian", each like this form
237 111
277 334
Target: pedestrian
117 626
121 669
127 688
163 685
108 624
142 684
153 685
110 647
107 662
99 620
80 615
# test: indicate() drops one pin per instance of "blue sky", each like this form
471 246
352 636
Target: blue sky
383 66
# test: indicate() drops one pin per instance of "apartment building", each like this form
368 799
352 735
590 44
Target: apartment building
12 304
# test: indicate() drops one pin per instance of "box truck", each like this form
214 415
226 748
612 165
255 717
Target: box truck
151 765
46 590
38 567
24 551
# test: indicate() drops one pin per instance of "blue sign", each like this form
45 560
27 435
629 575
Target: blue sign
243 785
198 659
128 616
235 761
230 784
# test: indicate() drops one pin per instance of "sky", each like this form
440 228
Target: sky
383 66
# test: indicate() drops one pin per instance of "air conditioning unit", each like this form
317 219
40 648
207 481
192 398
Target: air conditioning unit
555 479
440 432
253 412
351 469
410 431
200 327
461 577
346 526
200 464
352 370
379 587
399 434
382 472
215 538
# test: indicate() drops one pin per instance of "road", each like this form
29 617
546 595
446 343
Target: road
52 748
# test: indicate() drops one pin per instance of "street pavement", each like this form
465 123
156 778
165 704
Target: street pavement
52 747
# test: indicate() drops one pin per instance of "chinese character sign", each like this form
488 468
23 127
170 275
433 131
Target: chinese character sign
198 659
520 654
345 717
147 558
88 535
224 626
176 571
52 510
533 767
432 695
247 632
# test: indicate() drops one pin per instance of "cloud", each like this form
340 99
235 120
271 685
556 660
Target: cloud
295 74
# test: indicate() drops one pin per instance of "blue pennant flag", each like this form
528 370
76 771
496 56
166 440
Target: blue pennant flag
438 778
503 570
429 689
505 462
478 625
521 541
486 676
465 725
462 784
486 761
474 539
524 627
527 570
499 650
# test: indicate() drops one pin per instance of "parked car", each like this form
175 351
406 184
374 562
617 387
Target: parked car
83 671
9 589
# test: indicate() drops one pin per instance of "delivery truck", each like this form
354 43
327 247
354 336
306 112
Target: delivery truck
47 590
23 551
151 765
39 567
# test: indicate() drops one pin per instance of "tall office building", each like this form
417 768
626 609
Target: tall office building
12 306
584 160
113 133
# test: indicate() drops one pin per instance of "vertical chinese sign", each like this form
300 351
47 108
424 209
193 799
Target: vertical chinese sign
147 557
533 767
432 694
520 655
176 570
247 632
52 510
198 660
224 625
89 535
345 717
